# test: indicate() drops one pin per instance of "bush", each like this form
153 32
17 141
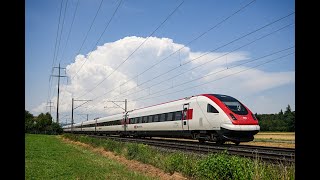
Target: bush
140 152
224 166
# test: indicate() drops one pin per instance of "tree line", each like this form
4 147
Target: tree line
277 122
41 124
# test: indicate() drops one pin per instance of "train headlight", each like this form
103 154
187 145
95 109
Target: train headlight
232 116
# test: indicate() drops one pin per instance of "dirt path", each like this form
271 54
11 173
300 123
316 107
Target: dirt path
134 165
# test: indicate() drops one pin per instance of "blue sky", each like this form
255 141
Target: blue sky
264 89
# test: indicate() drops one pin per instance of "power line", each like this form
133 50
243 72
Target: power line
100 35
59 35
199 36
224 69
89 27
273 53
55 46
175 76
85 38
141 98
74 15
58 90
54 52
98 38
136 48
61 30
237 39
50 102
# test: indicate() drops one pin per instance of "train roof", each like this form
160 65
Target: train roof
120 115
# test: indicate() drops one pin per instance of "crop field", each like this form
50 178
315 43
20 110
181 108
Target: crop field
274 139
47 157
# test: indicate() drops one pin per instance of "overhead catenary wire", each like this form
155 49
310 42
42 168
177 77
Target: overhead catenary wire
193 40
134 50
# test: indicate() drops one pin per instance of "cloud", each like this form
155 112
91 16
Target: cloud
106 59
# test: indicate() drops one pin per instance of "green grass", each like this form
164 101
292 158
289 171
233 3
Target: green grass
214 166
47 157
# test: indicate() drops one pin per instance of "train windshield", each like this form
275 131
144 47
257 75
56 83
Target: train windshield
233 104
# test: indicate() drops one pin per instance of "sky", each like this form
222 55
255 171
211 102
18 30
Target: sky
150 52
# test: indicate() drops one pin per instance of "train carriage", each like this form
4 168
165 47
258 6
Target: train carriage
206 117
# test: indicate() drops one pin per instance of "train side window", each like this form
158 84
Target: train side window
138 120
170 116
132 121
150 119
211 109
162 117
144 119
156 118
178 115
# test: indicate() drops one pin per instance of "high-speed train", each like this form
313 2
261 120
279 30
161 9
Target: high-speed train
206 117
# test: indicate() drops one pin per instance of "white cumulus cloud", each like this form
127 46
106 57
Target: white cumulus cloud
107 58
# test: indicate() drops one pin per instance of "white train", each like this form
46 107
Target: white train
206 117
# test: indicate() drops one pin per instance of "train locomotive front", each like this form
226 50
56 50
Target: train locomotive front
237 122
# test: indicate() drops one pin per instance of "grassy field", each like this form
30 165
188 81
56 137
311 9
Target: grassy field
194 166
47 157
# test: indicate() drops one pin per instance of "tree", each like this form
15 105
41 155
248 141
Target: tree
29 121
41 124
288 110
56 128
43 120
280 113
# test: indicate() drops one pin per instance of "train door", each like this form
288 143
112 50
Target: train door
184 119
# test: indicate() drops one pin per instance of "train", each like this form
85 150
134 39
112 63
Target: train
206 117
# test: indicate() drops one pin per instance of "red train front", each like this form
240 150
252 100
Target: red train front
239 124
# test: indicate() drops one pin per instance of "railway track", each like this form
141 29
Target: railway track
271 154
